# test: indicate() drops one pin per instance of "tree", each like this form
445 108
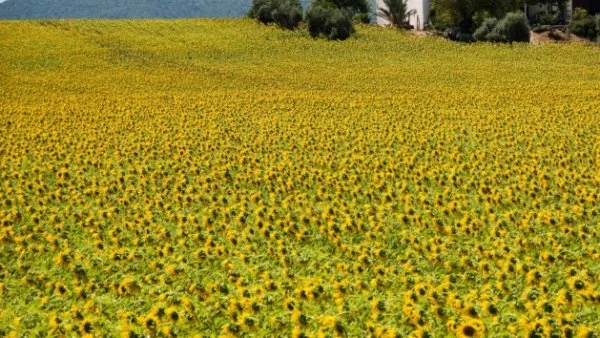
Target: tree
333 23
512 28
483 32
396 12
285 13
584 26
357 6
468 14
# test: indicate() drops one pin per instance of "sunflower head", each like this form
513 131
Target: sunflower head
472 328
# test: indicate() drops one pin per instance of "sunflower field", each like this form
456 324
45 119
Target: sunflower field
219 178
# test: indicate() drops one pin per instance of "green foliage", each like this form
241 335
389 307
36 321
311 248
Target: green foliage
585 25
356 6
515 28
480 17
395 11
359 9
585 28
580 14
467 14
285 13
496 35
464 37
547 19
333 23
362 18
512 28
481 34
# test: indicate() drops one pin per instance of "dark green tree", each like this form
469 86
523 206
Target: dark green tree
357 6
330 22
483 32
285 13
512 28
468 14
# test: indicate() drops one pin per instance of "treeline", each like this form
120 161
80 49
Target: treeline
332 19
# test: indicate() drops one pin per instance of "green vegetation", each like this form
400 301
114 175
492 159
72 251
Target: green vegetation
512 28
356 6
332 23
285 13
585 25
467 15
323 18
358 10
484 32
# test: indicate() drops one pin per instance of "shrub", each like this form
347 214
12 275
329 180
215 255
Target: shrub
496 35
448 33
285 13
512 28
359 8
356 6
515 28
480 16
548 19
485 29
464 37
580 13
362 18
469 14
585 28
597 18
333 23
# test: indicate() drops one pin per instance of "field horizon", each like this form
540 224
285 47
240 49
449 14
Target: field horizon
218 177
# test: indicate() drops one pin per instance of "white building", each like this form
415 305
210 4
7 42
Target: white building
418 20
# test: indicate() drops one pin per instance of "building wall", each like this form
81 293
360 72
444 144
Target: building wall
421 18
380 20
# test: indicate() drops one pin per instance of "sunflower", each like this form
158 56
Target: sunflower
471 328
150 322
86 326
580 285
172 314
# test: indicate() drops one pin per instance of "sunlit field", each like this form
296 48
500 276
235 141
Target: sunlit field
223 178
